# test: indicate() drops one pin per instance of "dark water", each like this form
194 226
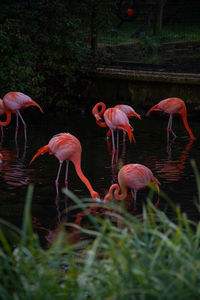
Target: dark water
171 164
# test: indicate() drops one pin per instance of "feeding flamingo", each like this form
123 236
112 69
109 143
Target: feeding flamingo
115 119
173 106
134 177
65 146
127 109
13 102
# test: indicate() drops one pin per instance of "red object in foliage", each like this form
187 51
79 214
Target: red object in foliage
130 12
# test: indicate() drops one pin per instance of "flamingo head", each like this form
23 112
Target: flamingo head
97 117
107 197
95 196
154 108
98 113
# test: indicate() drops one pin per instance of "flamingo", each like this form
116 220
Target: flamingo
13 102
127 109
114 118
65 146
134 177
173 106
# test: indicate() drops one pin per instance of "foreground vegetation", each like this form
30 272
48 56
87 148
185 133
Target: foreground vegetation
123 257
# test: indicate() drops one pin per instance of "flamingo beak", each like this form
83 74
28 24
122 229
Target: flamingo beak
97 117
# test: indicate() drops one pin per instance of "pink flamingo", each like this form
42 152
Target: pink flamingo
134 177
173 106
127 109
13 102
65 146
115 119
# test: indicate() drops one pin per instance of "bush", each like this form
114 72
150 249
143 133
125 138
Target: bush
44 45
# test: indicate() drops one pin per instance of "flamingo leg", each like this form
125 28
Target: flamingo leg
133 193
113 140
58 175
114 165
124 144
66 173
117 139
169 126
124 136
25 126
17 127
158 201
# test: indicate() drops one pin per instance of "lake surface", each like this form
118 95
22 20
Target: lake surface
171 164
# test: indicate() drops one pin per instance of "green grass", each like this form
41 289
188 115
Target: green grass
124 257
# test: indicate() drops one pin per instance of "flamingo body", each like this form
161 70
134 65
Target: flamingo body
134 177
128 110
13 102
66 147
117 120
173 106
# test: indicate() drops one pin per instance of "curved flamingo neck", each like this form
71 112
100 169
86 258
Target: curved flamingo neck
96 111
32 103
77 164
115 187
185 122
101 124
8 118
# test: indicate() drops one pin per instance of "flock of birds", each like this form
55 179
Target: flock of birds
66 147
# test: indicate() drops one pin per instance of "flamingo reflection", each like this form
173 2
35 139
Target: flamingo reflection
171 169
13 170
116 160
37 225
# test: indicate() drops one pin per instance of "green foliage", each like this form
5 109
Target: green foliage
44 45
